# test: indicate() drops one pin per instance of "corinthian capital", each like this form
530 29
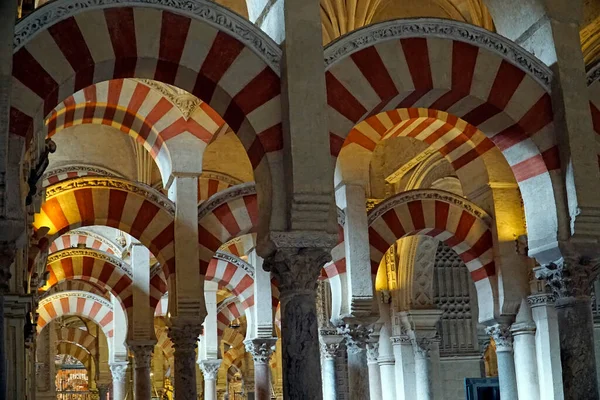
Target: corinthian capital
184 335
261 349
118 371
142 353
297 269
210 368
571 276
502 337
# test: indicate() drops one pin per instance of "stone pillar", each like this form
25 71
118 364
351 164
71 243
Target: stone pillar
525 360
547 346
404 367
142 355
103 392
184 336
506 363
210 370
386 354
375 392
45 367
358 371
296 271
570 280
119 380
16 313
261 350
329 352
425 350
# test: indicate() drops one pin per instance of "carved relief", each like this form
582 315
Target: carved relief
571 276
422 283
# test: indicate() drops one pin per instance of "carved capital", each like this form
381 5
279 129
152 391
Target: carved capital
329 351
571 276
184 335
400 340
142 354
356 337
423 346
119 372
261 349
372 353
210 369
502 337
7 256
297 269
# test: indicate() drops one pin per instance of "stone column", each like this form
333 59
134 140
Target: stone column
570 280
329 352
358 372
261 350
184 336
142 355
404 367
525 360
210 370
424 348
506 363
119 380
296 271
103 392
547 346
375 392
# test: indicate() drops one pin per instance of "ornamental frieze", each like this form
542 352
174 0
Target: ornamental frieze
424 195
238 262
95 236
77 294
149 193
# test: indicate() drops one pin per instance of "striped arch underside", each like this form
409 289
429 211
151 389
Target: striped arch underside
80 337
444 216
88 239
102 44
72 349
78 303
94 266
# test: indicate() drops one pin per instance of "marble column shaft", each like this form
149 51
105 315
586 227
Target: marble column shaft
261 350
142 361
375 392
404 368
297 271
210 370
185 341
423 369
119 380
358 370
329 353
547 346
525 360
506 363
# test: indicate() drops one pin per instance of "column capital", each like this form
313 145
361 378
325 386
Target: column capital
571 276
423 345
297 269
372 353
356 337
142 353
502 337
329 351
118 371
400 340
261 349
210 368
184 334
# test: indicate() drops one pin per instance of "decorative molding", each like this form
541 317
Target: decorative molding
222 305
428 194
203 10
183 100
100 255
296 269
329 351
76 293
238 262
90 169
445 29
400 340
146 191
502 337
219 176
341 217
304 240
224 196
372 353
116 248
541 299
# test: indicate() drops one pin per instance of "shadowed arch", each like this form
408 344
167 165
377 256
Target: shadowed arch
444 216
79 337
72 349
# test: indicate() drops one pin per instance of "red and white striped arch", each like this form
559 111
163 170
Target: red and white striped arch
229 310
236 75
63 173
162 306
82 304
468 80
94 266
211 183
142 212
85 286
88 239
229 214
165 344
444 216
71 349
139 111
233 278
80 337
240 246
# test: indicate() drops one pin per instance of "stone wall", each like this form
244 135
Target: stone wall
454 370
